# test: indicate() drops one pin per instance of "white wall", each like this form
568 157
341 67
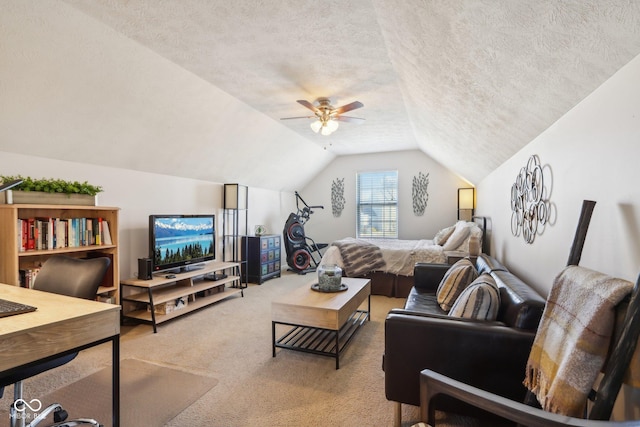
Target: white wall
140 194
441 208
590 153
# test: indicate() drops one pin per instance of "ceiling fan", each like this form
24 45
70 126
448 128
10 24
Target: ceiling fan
327 117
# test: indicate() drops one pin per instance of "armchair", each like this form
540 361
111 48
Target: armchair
435 387
65 276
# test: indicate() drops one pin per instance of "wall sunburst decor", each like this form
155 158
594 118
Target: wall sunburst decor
530 207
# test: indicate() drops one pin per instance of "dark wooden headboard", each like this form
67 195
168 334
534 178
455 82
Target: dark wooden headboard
482 223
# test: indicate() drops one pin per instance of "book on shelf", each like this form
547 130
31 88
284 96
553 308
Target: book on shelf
55 233
22 235
44 237
31 234
88 234
106 234
28 276
97 227
61 233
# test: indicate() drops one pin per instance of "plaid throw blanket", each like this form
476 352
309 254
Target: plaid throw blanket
359 257
573 337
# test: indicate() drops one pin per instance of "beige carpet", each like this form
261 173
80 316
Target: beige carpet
151 395
231 342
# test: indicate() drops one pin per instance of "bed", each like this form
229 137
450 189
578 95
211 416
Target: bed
389 263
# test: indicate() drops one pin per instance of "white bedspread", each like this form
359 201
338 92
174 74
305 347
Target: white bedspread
400 256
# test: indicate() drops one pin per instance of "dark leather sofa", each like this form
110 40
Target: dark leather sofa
486 354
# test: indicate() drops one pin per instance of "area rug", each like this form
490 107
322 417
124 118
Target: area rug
150 394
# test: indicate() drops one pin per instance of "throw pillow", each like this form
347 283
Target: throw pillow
460 233
480 300
475 235
455 280
442 235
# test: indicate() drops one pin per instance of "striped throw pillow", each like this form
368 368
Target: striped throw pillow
441 236
455 280
480 300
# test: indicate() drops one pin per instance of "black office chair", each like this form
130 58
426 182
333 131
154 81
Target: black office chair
65 276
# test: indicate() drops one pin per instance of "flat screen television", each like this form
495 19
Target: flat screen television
179 242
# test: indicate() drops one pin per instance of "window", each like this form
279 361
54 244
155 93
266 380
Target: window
377 204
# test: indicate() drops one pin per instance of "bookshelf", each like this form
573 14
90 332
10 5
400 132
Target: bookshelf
12 259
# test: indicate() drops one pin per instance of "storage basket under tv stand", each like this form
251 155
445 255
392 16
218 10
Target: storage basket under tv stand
140 297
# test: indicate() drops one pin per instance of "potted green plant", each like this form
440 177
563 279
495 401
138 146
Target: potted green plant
50 191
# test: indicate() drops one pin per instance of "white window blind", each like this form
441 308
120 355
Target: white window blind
377 204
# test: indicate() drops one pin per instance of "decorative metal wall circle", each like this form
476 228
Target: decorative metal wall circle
337 197
419 193
529 208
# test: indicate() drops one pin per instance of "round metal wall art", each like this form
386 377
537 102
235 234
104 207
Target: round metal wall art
529 209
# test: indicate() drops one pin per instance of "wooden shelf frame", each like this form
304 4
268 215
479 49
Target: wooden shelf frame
13 260
161 289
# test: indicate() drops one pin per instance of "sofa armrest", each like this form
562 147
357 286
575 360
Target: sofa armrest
487 355
427 276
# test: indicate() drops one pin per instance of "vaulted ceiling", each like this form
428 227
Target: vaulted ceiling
468 82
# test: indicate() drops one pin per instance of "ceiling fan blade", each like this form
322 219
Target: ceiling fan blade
349 119
348 107
308 105
300 117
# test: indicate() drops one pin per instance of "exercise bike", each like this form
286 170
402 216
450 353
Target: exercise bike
303 253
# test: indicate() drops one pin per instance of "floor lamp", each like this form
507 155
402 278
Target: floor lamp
466 203
235 203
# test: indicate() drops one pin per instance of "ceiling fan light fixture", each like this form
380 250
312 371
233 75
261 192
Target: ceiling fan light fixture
315 126
326 117
328 127
332 125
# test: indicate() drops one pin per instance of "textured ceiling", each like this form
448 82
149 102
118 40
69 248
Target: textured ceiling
469 83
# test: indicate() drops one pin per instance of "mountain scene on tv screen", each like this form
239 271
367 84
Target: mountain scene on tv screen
178 227
182 239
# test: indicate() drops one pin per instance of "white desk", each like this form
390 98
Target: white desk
60 326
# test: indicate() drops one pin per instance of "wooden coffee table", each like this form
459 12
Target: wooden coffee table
321 323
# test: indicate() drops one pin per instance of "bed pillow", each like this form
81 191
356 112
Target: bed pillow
475 236
480 300
458 236
442 235
455 280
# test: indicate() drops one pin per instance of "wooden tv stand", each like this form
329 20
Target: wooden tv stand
143 300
